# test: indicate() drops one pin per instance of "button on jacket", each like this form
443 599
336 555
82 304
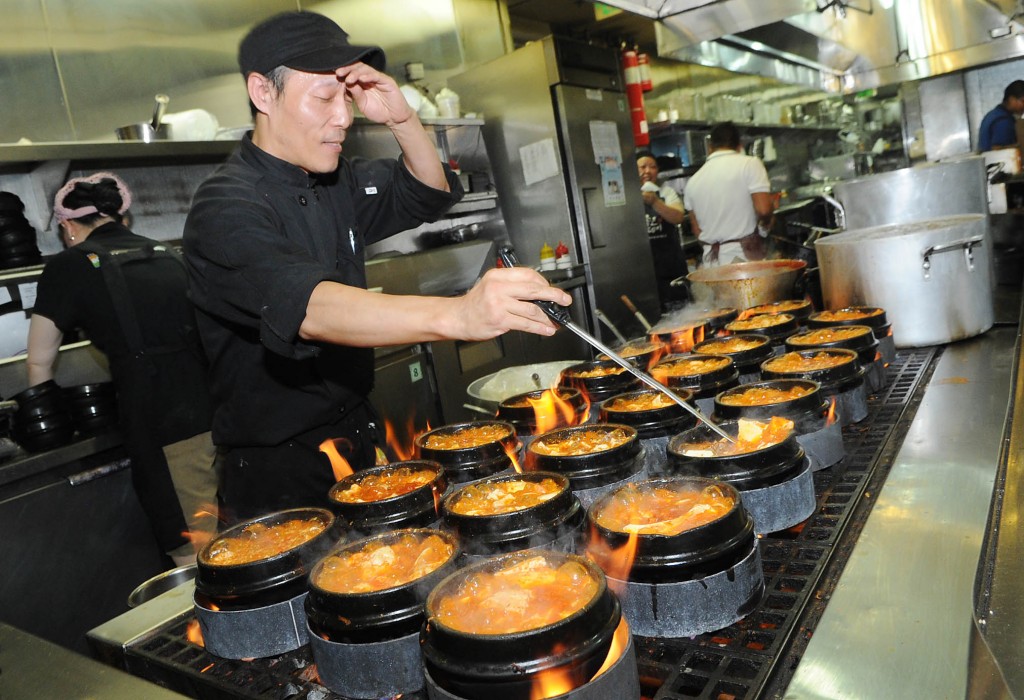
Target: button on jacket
261 235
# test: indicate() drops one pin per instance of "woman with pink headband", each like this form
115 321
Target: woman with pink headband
128 294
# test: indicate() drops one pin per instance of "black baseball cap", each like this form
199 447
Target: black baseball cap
305 41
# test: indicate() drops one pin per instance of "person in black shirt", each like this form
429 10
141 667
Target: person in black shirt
663 212
275 245
129 294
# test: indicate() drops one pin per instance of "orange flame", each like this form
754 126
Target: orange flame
616 562
661 351
584 415
200 536
746 313
551 411
402 446
512 451
339 464
194 634
830 415
684 339
555 682
552 682
619 643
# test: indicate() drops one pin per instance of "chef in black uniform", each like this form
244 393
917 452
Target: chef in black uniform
275 245
128 294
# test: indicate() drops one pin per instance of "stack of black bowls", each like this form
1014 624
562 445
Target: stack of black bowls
93 407
18 246
43 420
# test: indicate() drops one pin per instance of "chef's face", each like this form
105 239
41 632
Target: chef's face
307 121
648 169
1016 105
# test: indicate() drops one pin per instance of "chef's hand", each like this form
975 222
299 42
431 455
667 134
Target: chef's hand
500 302
649 198
376 94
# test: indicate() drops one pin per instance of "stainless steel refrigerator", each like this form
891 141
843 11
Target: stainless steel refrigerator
558 132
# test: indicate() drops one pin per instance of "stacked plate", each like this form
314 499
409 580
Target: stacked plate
18 246
93 407
42 420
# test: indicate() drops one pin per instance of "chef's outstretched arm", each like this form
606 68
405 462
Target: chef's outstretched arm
498 303
43 345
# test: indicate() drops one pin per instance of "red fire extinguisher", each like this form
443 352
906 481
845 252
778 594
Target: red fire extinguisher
635 97
646 84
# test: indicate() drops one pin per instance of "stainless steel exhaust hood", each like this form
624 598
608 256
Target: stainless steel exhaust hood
839 46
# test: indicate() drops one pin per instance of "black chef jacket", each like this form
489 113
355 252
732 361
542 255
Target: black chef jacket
261 234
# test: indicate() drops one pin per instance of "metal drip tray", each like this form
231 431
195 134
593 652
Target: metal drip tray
754 658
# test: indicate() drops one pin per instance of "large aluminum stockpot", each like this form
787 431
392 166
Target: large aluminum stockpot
926 191
932 277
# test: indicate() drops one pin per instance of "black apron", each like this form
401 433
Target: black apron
145 376
669 259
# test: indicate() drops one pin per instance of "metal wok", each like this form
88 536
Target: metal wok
746 284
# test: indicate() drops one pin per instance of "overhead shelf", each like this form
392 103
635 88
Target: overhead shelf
107 150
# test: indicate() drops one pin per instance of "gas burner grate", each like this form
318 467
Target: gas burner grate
754 658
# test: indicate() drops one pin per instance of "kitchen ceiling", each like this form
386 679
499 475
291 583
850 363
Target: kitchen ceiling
836 45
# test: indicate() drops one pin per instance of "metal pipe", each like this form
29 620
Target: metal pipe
840 209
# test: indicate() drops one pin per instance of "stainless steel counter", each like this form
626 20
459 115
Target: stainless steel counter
898 623
31 667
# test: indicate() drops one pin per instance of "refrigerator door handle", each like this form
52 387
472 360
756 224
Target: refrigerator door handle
593 199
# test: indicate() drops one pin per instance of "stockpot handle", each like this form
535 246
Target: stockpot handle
966 244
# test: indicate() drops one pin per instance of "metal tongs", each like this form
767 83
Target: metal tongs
560 315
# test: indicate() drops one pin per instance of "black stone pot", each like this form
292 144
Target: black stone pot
717 318
832 379
417 508
46 398
597 389
871 316
506 666
767 466
692 554
701 384
537 526
800 309
375 616
748 359
682 337
865 344
592 470
641 352
518 410
44 432
93 407
806 409
265 581
780 327
471 463
650 423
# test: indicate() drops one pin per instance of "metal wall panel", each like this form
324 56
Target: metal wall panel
944 115
113 56
32 105
75 70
